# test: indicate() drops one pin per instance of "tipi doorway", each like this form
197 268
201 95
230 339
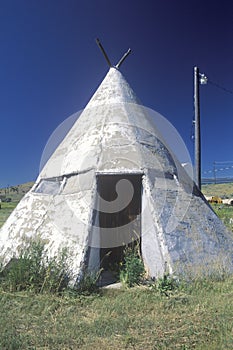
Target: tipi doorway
119 219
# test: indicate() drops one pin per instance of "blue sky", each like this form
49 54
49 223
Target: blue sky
50 66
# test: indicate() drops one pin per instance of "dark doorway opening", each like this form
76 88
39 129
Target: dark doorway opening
123 224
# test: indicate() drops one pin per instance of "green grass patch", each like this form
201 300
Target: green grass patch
6 210
225 213
198 317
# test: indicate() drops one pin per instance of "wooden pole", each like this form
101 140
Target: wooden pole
103 52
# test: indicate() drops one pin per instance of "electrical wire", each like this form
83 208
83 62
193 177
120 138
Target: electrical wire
229 167
220 87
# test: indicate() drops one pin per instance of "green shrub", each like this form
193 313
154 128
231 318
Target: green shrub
34 271
133 268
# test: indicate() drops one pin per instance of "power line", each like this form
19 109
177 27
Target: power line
220 87
228 167
217 170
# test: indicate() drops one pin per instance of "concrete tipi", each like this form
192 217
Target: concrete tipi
113 180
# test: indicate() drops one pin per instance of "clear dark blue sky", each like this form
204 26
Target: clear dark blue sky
50 66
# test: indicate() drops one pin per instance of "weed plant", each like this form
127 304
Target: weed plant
166 285
133 267
87 284
34 271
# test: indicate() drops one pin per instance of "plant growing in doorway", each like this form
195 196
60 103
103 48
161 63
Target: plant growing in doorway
132 270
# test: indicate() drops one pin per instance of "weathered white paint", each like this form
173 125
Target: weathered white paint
115 135
153 247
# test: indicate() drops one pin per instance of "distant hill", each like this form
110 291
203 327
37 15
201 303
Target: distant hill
221 190
16 192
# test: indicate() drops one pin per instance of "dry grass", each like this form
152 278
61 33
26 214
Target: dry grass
198 317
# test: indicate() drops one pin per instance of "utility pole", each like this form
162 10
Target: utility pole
197 129
214 170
